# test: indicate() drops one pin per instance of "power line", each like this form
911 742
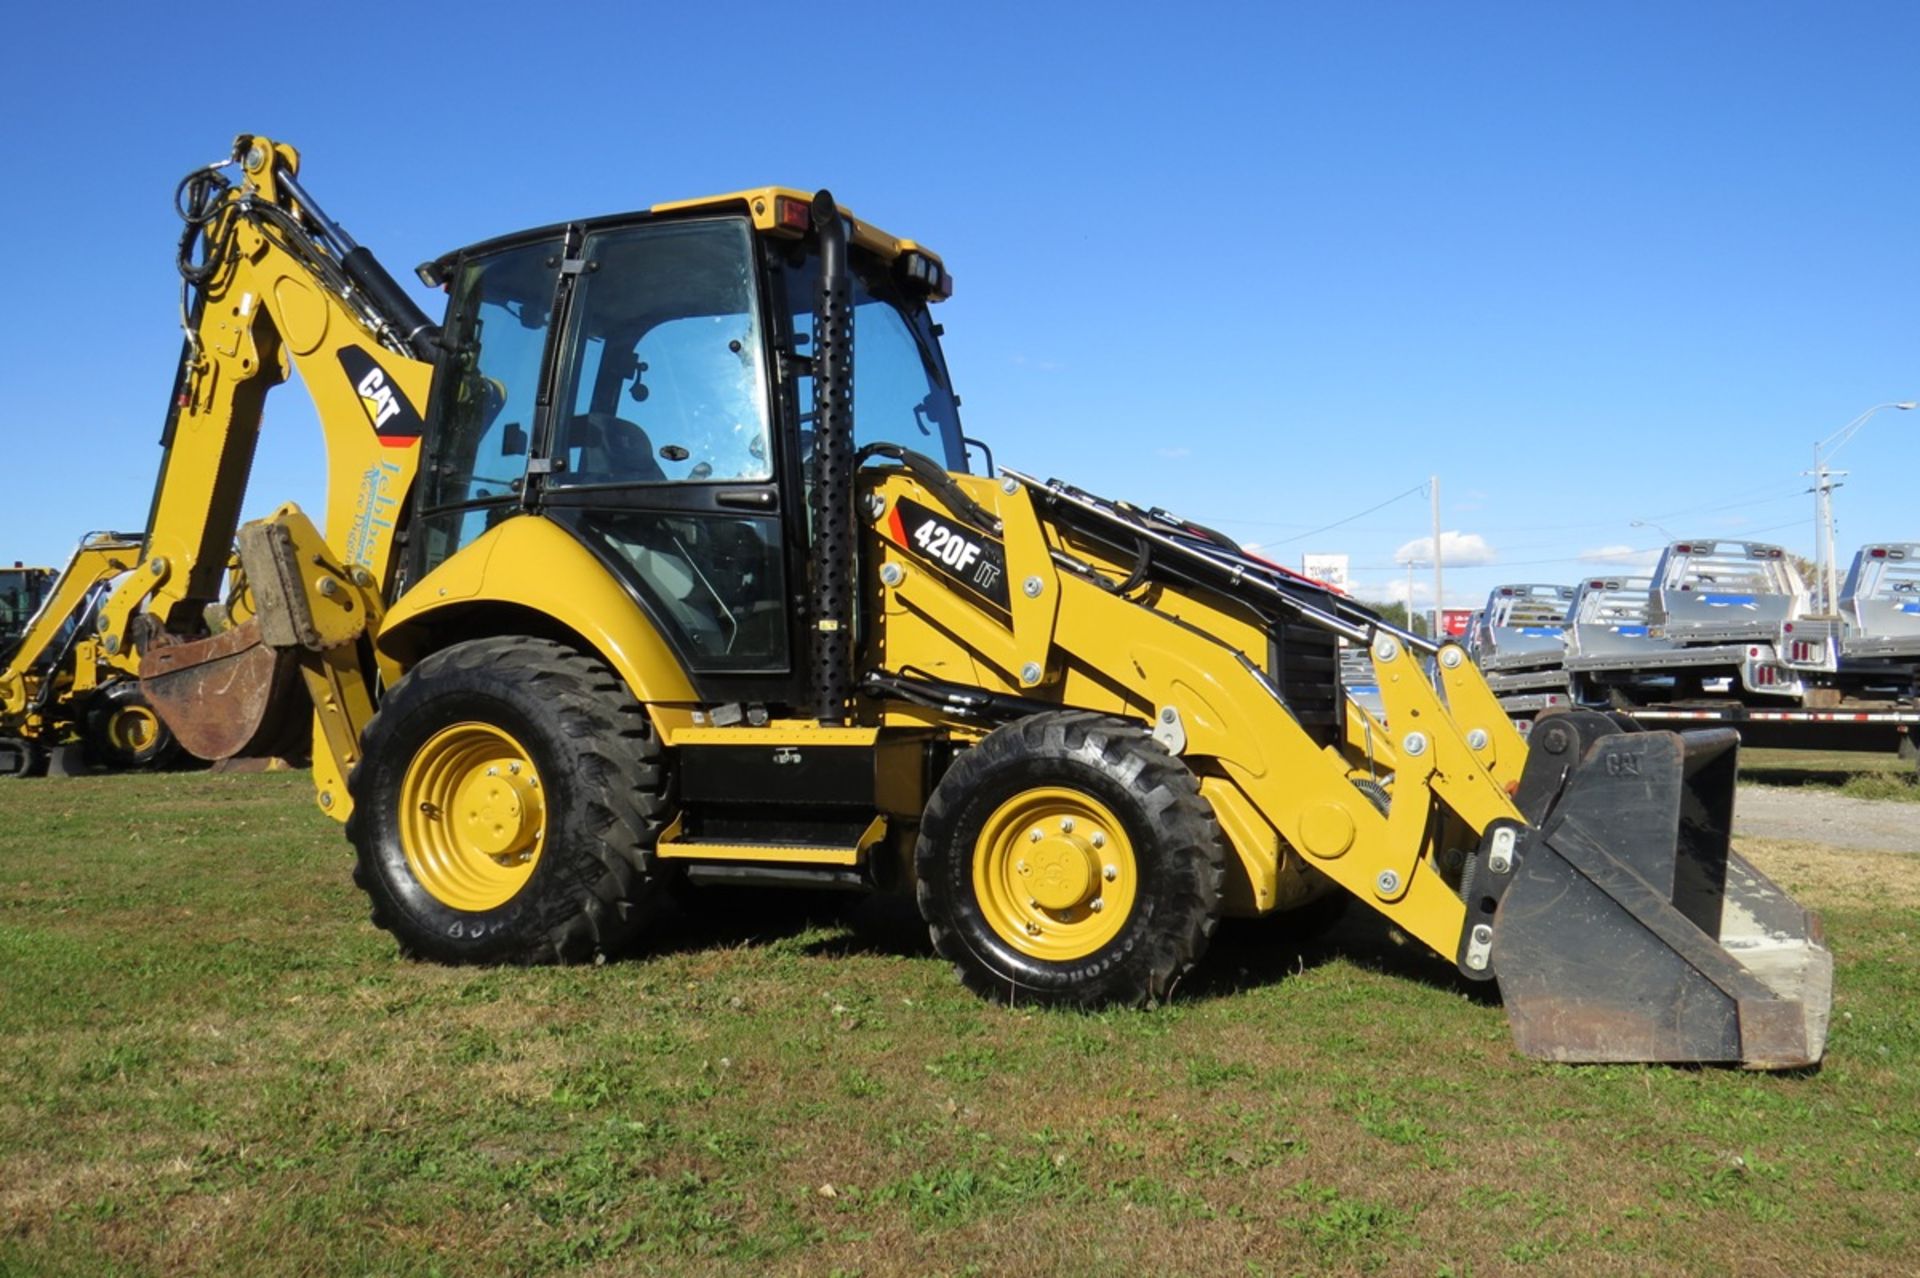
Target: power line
1340 523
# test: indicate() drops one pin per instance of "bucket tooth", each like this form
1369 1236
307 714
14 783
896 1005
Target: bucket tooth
1625 928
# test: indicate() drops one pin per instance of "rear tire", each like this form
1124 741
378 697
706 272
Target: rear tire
122 733
1116 898
506 805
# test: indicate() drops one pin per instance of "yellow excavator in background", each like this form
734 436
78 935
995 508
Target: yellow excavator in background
661 559
58 690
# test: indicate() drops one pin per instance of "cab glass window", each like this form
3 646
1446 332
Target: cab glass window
664 380
476 454
900 391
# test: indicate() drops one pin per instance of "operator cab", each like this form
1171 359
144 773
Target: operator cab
22 591
645 382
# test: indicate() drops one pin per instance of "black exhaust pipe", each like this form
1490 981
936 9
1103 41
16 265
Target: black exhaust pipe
833 467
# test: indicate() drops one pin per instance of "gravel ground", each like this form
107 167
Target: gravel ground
1784 812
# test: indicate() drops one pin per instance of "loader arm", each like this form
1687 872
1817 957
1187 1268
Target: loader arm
272 286
1591 876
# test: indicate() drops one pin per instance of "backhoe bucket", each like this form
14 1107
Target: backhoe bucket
1625 928
226 696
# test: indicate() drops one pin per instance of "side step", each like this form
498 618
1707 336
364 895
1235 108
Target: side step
835 867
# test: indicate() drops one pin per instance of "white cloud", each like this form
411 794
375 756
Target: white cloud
1394 590
1462 550
1620 557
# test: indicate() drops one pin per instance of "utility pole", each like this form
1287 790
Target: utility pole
1823 486
1433 484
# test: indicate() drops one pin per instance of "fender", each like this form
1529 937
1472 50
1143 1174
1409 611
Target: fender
530 565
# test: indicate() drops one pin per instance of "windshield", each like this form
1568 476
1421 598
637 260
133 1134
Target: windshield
900 390
21 590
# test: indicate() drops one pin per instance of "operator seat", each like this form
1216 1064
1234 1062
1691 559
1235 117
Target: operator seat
612 450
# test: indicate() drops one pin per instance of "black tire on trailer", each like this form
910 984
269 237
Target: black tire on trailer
1068 859
506 805
121 731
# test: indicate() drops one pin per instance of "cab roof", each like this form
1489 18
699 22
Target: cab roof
772 208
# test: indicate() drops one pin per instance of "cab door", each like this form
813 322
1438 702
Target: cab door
658 450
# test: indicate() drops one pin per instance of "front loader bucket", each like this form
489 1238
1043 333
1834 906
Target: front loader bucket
227 695
1625 928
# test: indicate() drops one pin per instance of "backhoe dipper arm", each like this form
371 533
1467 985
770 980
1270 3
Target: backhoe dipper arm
277 286
25 673
272 285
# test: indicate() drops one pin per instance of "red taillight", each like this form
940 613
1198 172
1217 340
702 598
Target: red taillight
794 214
1505 593
1775 553
1683 549
1879 554
1596 585
1753 652
1764 676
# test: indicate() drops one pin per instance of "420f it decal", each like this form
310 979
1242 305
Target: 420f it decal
973 561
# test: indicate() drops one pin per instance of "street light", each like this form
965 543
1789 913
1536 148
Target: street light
1823 487
1413 563
1648 523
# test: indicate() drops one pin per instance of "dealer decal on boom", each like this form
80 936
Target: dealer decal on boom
971 560
393 419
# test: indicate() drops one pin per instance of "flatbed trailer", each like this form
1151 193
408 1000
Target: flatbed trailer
1890 729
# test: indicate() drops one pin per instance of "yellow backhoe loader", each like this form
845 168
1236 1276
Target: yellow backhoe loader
58 689
662 560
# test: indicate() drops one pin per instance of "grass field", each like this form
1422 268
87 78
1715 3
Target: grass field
1859 774
213 1064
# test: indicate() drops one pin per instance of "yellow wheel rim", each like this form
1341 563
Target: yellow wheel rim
133 729
1054 873
473 816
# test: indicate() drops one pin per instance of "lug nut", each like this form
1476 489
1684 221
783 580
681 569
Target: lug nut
1099 839
1034 835
1111 873
1096 905
1066 825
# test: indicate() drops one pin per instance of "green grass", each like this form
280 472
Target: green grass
1857 774
213 1064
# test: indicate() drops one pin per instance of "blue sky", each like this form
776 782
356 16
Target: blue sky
1266 265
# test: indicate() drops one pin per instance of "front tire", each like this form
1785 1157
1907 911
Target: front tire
505 807
1069 860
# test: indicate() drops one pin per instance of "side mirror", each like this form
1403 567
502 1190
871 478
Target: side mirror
513 440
